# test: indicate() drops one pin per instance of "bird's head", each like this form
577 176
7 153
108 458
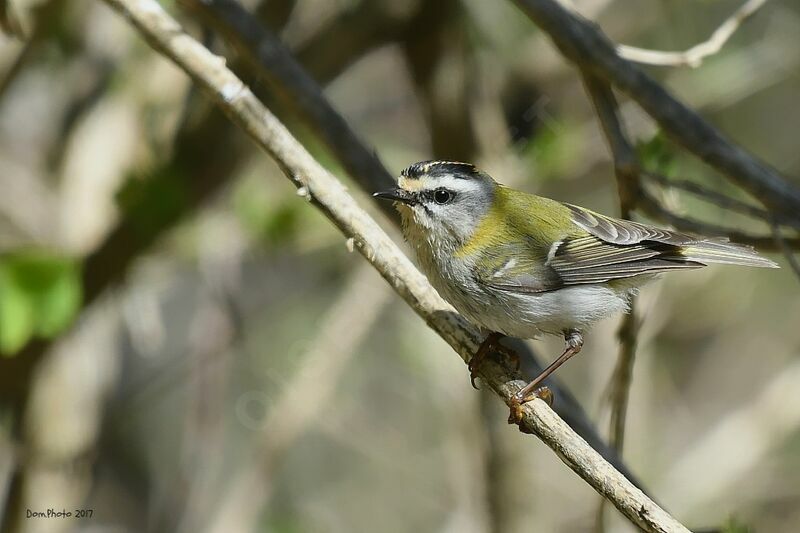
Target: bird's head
444 201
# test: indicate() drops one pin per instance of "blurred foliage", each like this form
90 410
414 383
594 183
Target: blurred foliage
154 201
551 151
272 226
40 294
9 20
658 154
733 525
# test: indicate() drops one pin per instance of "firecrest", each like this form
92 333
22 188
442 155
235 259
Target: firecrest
521 265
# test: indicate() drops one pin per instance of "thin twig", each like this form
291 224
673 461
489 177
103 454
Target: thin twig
330 196
656 209
788 253
626 162
715 197
694 56
628 171
619 390
585 45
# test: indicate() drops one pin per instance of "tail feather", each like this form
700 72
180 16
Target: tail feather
725 252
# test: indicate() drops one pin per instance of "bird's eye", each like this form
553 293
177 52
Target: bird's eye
442 196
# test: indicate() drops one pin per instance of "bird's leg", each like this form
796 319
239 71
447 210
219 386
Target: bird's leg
574 343
490 344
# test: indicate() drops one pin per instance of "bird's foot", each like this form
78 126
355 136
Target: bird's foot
490 344
573 344
519 399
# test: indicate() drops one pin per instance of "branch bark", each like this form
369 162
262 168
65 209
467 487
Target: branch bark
585 45
330 196
257 47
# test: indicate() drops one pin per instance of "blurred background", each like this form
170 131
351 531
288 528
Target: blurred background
188 346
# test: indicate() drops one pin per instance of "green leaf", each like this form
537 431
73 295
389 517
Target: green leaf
40 294
16 314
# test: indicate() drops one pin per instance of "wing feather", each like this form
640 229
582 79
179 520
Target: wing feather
602 249
625 232
593 260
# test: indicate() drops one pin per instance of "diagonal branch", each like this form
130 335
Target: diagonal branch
330 196
656 209
585 45
626 162
715 197
257 47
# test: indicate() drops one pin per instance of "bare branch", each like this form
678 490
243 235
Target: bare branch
619 387
330 196
584 44
656 209
715 197
788 253
259 47
694 56
626 163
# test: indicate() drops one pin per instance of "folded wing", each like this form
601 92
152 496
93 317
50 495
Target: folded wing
603 249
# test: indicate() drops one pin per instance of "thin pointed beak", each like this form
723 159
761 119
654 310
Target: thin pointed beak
397 195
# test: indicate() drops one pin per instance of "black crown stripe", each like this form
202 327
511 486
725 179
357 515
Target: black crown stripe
437 168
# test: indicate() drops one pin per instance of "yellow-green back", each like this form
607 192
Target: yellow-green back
517 217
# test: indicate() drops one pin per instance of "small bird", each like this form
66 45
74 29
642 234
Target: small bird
520 265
